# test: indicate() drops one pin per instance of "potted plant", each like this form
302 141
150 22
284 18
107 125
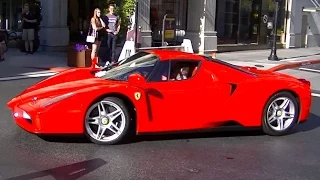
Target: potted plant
79 55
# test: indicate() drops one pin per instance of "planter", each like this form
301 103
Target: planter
79 59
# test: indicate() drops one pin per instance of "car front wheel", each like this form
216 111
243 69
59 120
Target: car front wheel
107 121
281 114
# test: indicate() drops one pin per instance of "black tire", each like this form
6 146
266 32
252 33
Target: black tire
265 125
128 123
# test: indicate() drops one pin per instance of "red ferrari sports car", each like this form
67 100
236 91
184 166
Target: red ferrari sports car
162 91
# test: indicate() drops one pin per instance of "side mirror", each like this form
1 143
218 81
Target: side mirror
136 79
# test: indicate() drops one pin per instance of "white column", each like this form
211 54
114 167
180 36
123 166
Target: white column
290 25
144 22
209 32
54 32
201 26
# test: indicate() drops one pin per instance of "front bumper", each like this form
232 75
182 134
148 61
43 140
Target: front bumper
26 120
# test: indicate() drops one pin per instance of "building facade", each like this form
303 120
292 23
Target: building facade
211 25
303 27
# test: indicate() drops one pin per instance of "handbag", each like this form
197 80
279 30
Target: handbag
91 38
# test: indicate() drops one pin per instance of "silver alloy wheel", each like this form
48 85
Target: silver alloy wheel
105 125
281 113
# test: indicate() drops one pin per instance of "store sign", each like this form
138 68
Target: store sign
170 28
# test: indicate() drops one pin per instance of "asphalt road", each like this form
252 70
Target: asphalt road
219 155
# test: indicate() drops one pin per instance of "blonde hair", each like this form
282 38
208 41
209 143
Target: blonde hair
95 12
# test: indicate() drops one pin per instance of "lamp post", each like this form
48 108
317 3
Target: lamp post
273 55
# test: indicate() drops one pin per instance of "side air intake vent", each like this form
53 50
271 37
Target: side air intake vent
233 88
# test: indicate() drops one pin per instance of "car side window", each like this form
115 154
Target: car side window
183 69
161 73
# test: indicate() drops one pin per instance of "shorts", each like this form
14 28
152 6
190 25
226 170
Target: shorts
28 34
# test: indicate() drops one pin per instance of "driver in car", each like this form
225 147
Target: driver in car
184 71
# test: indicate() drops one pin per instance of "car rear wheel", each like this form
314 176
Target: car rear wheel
107 121
280 114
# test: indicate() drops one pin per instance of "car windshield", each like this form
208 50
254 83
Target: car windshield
141 62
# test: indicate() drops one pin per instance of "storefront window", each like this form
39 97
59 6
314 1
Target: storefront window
249 21
239 21
281 17
227 21
158 9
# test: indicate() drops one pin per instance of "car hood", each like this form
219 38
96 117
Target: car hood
67 87
41 93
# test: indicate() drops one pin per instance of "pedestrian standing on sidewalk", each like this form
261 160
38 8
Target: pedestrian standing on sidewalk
29 23
112 21
98 28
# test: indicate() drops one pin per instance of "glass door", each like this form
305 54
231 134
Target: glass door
227 21
249 21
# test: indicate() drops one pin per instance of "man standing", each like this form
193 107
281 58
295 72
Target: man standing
28 27
113 27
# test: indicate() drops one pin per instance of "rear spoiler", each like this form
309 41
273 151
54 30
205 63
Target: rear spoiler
293 65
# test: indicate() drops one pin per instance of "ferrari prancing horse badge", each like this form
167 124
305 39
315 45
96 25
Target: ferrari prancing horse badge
137 95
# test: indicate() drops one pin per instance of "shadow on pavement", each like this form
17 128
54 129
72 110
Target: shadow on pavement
312 123
216 133
70 172
65 138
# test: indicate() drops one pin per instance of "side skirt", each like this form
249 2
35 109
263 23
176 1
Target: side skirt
204 130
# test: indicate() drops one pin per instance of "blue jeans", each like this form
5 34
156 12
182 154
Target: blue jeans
111 42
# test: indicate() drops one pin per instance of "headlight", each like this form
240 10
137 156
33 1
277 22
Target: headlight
56 99
25 115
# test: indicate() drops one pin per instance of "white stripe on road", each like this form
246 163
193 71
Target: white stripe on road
28 76
315 95
311 70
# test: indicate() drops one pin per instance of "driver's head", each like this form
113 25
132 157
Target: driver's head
185 71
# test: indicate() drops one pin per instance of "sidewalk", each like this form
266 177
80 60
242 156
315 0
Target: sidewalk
17 62
259 58
16 58
262 55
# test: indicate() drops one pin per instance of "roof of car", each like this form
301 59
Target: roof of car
173 54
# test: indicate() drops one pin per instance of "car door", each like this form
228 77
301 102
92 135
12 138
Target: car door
181 104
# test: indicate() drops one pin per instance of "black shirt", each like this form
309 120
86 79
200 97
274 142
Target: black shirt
28 25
